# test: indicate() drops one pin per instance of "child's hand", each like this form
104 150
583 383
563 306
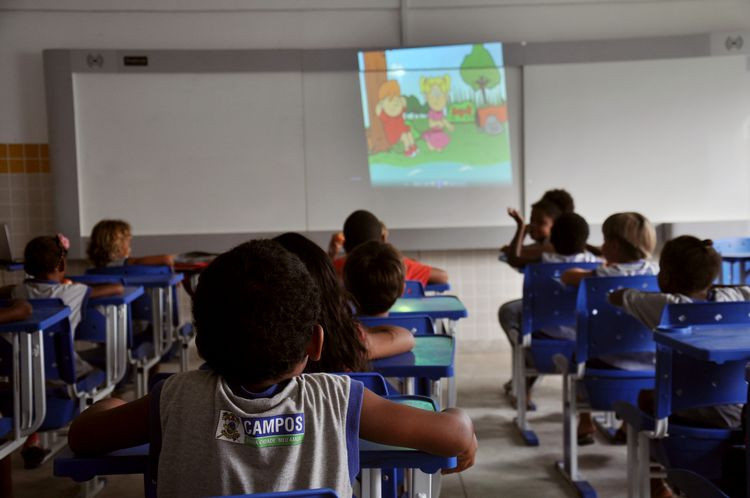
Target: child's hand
513 213
336 244
21 308
66 281
465 458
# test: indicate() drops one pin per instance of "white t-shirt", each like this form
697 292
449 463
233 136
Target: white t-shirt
640 267
73 295
581 257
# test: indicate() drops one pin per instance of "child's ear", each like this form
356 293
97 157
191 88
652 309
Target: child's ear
315 346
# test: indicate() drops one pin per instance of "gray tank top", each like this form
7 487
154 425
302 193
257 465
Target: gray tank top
214 442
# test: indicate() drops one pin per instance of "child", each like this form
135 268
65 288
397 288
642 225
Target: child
568 238
349 345
362 226
256 313
629 241
45 262
110 246
687 269
561 198
374 275
543 216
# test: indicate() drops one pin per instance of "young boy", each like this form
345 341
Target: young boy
374 276
543 216
568 238
362 226
251 421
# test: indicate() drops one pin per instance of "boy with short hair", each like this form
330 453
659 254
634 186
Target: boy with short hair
374 276
251 421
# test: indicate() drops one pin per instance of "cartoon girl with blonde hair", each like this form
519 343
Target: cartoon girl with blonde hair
435 91
390 109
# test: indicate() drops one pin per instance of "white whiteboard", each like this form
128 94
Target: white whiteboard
668 138
191 153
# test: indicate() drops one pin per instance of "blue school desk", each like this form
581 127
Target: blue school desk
436 307
13 266
439 288
432 357
116 334
373 458
29 397
715 343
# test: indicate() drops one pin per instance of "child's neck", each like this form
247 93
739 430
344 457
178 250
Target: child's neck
56 276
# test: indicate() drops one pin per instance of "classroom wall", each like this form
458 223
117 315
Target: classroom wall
29 26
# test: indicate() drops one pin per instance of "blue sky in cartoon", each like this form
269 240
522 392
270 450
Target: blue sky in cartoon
407 65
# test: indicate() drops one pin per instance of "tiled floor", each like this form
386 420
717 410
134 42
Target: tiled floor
504 466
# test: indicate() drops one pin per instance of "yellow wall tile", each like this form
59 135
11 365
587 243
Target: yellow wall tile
16 165
3 165
33 166
15 151
3 150
31 150
43 151
44 165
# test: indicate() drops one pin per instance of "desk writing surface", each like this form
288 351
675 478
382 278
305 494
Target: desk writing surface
148 281
40 319
735 256
432 357
128 295
716 343
434 306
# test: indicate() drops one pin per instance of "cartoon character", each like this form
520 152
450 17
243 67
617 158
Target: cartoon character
435 91
390 109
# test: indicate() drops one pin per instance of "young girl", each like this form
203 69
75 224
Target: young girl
688 268
349 345
45 262
629 241
110 246
252 421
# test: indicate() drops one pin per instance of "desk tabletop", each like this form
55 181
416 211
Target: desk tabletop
129 295
149 281
716 343
41 318
735 256
433 306
432 357
437 287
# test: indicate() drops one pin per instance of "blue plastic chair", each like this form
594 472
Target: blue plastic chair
413 288
547 302
602 330
694 485
417 324
732 271
682 383
311 493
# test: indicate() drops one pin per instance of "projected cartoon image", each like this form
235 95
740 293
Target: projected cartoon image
436 116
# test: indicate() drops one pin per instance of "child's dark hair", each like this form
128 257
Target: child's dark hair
569 234
688 264
548 208
43 255
255 309
344 350
361 226
561 198
374 274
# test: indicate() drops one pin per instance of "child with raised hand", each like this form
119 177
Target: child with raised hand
629 242
109 245
349 345
539 229
257 312
362 226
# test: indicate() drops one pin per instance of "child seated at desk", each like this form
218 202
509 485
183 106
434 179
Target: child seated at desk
110 246
19 309
374 276
257 313
349 345
629 241
45 262
362 226
688 268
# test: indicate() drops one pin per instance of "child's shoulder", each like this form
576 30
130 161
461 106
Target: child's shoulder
733 293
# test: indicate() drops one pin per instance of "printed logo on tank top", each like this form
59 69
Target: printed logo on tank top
261 432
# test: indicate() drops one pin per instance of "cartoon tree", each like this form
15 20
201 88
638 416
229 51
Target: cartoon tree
478 70
375 75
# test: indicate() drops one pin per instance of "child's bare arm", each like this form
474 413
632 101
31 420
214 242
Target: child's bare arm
104 290
448 433
387 340
437 276
335 244
156 260
18 310
110 424
575 275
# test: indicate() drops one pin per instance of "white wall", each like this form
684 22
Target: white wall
29 26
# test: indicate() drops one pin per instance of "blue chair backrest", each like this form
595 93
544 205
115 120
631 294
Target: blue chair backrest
732 245
372 381
417 324
603 329
413 288
683 314
547 302
94 324
311 493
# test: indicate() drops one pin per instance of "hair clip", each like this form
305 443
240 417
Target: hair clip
64 242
